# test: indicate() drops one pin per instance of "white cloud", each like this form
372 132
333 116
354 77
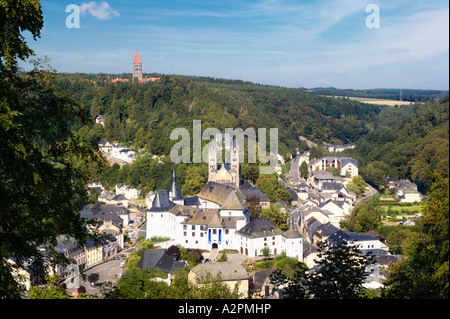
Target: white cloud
101 11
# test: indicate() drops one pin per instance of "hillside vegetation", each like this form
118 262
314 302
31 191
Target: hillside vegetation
143 116
415 148
407 142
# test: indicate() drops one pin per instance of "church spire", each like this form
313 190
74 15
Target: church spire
137 59
174 191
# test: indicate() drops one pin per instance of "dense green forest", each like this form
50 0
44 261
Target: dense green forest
415 148
406 142
142 116
390 94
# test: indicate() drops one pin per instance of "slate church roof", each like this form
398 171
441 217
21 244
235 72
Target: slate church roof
174 190
161 202
219 192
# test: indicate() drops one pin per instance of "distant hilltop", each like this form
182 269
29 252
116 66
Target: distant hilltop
411 95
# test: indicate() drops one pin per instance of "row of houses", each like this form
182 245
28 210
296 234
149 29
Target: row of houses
122 196
88 255
107 221
318 220
346 166
338 148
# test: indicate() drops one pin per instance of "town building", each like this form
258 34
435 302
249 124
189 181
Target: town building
338 148
129 192
159 259
406 191
230 273
122 153
346 166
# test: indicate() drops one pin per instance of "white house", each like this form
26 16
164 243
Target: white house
364 242
126 190
339 210
257 235
407 192
113 199
105 146
262 234
122 153
346 166
100 119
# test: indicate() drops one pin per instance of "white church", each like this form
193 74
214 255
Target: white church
217 217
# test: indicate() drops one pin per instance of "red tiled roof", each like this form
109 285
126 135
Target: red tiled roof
137 59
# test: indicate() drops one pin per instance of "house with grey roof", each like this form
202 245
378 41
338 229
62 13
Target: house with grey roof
118 215
310 253
323 231
250 191
231 273
70 248
261 233
159 259
407 192
363 242
346 166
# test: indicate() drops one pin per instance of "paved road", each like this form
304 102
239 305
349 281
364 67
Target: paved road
370 191
108 271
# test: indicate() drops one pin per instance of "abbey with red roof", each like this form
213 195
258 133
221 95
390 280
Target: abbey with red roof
137 73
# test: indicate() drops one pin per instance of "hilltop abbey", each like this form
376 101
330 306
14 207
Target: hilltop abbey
137 73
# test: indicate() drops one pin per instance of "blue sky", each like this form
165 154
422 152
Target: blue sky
278 42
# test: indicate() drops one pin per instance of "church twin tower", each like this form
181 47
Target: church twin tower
229 171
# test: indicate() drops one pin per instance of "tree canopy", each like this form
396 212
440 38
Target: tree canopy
340 273
424 272
43 187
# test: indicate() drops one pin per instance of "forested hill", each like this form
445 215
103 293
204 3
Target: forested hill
415 148
143 115
405 142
